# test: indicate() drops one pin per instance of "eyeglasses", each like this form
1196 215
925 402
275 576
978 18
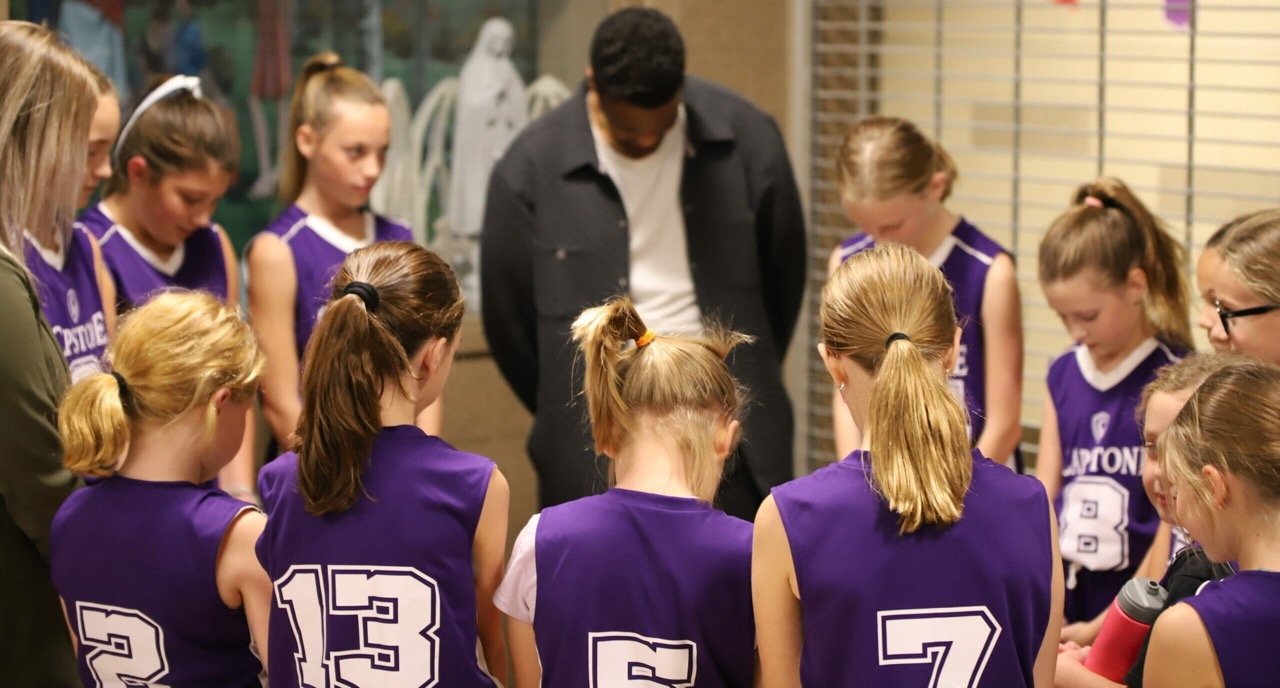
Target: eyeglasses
1226 315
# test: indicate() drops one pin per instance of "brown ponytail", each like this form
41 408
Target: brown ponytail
884 157
681 383
324 79
173 353
355 351
1110 230
920 458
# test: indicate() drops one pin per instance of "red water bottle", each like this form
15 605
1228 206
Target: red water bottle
1128 621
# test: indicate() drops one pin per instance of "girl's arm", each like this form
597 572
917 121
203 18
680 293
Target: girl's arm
238 478
1049 458
524 654
487 559
106 286
847 435
241 578
75 642
1047 659
1181 652
776 598
1072 674
273 291
1002 331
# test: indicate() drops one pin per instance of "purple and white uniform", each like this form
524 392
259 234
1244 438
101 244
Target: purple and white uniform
385 591
964 257
135 563
960 606
630 584
67 284
318 250
197 264
1242 617
1105 520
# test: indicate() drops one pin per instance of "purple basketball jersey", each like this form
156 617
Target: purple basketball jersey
964 258
134 562
318 250
198 263
1105 520
384 590
72 303
631 583
966 605
1242 616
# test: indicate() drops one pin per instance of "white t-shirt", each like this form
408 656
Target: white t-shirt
661 283
517 596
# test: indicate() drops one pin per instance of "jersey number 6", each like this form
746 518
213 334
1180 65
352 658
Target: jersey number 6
398 610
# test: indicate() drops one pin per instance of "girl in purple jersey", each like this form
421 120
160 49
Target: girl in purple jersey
76 292
845 562
1246 287
1114 276
1221 461
1180 567
155 565
646 579
1207 266
339 131
402 534
894 183
174 159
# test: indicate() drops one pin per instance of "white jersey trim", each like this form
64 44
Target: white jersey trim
57 258
517 596
940 254
334 236
982 257
1105 381
846 252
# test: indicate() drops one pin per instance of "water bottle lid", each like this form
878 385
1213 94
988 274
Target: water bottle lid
1142 599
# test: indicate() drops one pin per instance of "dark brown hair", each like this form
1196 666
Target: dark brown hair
1114 233
177 133
355 352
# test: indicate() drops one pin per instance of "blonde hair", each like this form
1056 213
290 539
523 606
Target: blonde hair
1251 248
356 350
920 457
178 133
1231 422
682 383
323 81
884 157
173 353
50 97
1185 376
1108 229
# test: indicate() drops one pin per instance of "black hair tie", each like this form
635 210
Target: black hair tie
126 396
895 337
367 293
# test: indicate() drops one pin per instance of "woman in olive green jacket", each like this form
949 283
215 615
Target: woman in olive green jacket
49 99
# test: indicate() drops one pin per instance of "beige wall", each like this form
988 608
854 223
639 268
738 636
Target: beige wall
564 36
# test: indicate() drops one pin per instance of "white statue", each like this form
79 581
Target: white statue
491 110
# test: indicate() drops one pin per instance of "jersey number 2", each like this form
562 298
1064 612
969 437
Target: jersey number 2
619 660
123 646
957 641
398 609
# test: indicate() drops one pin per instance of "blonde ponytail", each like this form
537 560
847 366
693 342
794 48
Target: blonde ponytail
94 426
169 357
892 313
681 383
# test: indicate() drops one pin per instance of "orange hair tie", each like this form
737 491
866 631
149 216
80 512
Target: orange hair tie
645 339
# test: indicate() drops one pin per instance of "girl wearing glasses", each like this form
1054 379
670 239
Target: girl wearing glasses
1113 275
1246 287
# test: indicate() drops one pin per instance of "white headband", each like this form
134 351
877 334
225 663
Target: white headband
173 85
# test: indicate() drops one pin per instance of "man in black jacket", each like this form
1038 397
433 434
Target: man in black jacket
667 188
